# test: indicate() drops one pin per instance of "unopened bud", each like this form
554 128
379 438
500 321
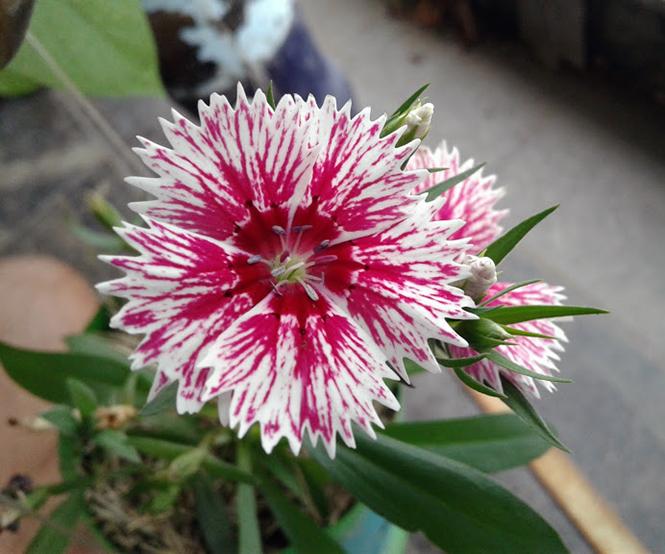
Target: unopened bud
483 334
418 121
483 276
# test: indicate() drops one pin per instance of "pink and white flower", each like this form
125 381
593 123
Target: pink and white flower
287 268
473 200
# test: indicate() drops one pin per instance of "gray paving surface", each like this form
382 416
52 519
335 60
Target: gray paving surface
551 138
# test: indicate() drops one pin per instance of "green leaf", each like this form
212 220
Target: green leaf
249 534
489 443
460 362
516 401
45 374
105 48
83 398
96 345
508 289
165 400
117 442
521 333
213 521
409 101
444 186
99 240
509 315
61 416
305 535
270 96
168 450
69 455
500 248
412 367
100 321
54 536
501 360
165 499
475 385
458 508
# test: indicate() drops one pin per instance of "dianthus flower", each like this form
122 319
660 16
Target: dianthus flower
287 267
473 201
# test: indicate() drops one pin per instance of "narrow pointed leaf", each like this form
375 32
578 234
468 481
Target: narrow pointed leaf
508 364
95 345
249 534
165 400
458 508
213 521
270 95
98 239
45 374
61 416
460 362
409 101
490 443
54 536
169 450
508 315
521 333
305 535
502 246
475 385
444 186
117 442
516 401
508 289
82 397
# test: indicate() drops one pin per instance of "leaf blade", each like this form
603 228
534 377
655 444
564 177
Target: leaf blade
502 246
457 507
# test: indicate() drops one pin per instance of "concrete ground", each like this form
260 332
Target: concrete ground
552 138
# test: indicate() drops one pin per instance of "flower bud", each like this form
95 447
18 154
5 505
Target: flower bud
483 276
483 334
417 120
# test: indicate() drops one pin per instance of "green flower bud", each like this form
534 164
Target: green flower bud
483 334
417 120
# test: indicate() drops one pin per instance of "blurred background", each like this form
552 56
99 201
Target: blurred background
564 101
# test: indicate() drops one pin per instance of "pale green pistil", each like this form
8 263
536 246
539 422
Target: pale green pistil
288 269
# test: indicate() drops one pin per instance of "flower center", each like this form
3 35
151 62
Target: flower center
294 266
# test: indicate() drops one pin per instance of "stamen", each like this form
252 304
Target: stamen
322 260
279 230
299 230
309 290
279 270
254 259
321 246
315 279
276 289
